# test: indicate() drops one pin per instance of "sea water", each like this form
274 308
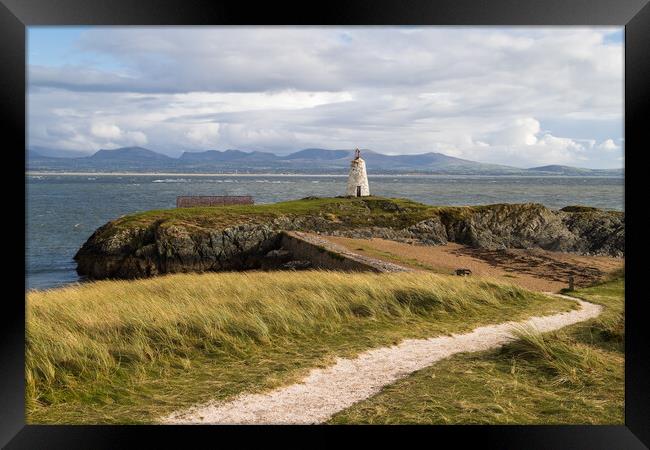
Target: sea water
64 210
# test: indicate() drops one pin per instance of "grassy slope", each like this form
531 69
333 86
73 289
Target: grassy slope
132 351
575 375
347 212
350 210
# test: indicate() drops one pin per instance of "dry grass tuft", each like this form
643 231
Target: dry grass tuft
571 376
93 349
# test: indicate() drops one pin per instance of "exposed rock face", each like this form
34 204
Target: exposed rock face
160 248
593 232
597 232
167 246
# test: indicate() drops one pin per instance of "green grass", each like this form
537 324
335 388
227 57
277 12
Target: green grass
134 351
350 211
338 212
572 376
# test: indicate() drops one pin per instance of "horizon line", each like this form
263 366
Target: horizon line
35 149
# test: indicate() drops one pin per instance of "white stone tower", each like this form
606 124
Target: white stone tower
358 179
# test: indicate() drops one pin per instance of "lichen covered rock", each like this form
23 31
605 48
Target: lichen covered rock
237 238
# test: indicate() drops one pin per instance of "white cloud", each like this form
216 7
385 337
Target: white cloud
480 93
114 136
136 137
106 131
522 132
204 134
609 146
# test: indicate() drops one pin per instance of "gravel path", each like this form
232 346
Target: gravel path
325 392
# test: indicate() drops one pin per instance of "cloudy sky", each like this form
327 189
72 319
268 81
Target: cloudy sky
520 96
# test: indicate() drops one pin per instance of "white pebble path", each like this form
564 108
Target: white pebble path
327 391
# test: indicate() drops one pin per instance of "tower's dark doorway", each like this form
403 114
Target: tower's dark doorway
358 191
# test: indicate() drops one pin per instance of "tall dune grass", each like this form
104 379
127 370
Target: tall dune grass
565 361
570 376
89 332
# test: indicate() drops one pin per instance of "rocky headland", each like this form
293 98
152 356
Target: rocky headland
246 237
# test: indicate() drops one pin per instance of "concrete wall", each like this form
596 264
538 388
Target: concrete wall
212 200
326 255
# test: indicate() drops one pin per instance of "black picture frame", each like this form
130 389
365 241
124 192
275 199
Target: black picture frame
16 15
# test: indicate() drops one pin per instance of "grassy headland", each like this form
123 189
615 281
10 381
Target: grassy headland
133 351
238 237
572 376
353 211
345 212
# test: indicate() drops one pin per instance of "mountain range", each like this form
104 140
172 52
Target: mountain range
306 161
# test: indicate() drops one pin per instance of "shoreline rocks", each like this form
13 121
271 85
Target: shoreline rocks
171 246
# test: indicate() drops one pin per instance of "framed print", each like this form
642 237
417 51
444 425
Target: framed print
414 216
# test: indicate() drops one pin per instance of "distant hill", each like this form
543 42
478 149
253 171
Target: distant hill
135 159
434 161
310 160
132 154
319 154
227 155
44 152
556 169
34 155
